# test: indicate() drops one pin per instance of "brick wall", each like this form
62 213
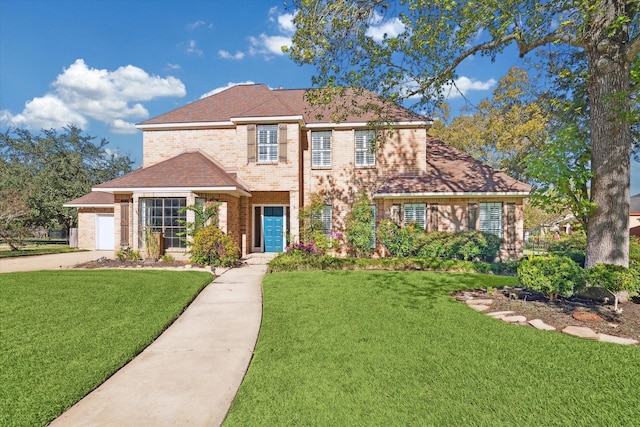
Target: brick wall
87 226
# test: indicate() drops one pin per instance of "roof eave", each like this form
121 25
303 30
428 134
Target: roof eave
397 125
451 194
233 190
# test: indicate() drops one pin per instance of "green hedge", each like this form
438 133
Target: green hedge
412 241
301 262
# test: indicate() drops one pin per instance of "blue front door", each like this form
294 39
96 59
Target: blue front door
273 227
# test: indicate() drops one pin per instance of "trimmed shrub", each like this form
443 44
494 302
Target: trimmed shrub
552 275
211 246
464 245
400 242
614 278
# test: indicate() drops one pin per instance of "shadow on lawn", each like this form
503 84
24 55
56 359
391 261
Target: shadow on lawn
420 290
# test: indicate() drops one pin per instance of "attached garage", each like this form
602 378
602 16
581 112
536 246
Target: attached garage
95 221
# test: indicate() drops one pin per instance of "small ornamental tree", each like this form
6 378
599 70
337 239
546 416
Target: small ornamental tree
360 226
14 214
615 279
205 214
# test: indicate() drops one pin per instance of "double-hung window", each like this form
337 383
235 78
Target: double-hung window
490 218
267 143
365 148
321 149
416 213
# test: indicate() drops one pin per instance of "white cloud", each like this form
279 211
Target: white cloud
193 25
463 85
123 127
173 66
220 89
379 29
81 93
192 49
226 55
45 112
268 44
285 23
264 44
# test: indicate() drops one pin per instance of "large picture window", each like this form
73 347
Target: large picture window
164 215
416 213
267 143
490 218
321 149
365 148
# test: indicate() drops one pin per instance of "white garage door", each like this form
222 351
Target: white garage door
105 239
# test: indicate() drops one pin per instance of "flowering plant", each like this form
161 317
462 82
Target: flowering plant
304 249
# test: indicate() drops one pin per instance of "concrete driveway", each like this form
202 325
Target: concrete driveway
50 262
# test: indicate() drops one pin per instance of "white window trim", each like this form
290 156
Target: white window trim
270 143
368 153
324 153
491 224
412 207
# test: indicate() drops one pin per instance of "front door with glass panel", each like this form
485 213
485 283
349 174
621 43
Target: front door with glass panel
273 226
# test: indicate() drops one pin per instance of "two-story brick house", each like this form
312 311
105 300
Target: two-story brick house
263 153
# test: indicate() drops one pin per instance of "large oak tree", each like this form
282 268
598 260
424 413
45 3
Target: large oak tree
55 167
427 40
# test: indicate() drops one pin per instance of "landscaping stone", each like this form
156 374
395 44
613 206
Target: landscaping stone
581 331
617 340
498 314
539 324
514 319
479 307
486 301
585 316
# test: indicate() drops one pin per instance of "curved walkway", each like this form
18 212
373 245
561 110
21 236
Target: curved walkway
191 373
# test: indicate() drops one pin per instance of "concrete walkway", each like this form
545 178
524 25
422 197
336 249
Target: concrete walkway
191 373
50 262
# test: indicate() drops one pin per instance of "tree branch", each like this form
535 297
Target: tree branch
633 48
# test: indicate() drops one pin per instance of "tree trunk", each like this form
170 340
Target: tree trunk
608 86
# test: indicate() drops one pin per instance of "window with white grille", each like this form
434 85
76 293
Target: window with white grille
321 149
490 218
365 148
417 213
267 143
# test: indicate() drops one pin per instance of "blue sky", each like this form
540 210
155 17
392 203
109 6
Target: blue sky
105 65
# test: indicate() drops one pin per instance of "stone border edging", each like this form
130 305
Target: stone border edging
482 305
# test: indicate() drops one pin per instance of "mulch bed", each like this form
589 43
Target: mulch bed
574 311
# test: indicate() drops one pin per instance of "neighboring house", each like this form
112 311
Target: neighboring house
634 215
263 153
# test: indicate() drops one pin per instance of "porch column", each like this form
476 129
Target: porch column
294 213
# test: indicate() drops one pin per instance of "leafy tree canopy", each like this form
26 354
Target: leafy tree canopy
425 41
503 130
54 167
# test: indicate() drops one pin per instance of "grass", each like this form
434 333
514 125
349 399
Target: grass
394 349
5 252
65 332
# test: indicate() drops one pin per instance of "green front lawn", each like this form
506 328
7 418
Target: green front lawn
62 333
393 349
6 252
